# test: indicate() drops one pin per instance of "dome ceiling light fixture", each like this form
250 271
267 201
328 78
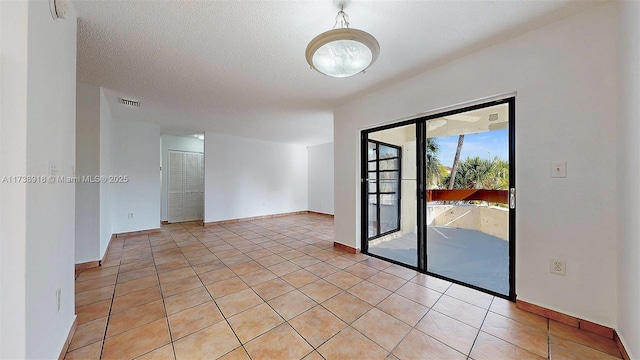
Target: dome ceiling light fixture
342 52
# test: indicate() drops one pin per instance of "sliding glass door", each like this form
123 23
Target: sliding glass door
390 171
456 216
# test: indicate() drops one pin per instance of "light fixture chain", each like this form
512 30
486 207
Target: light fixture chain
343 18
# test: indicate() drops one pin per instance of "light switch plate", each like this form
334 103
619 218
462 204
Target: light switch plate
559 169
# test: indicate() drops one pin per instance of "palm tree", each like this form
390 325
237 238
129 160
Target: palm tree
434 173
456 159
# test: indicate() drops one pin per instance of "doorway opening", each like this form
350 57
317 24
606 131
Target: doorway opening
456 218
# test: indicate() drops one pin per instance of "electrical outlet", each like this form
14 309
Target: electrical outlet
58 294
130 215
558 267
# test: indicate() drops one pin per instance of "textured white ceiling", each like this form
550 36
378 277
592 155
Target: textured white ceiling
238 67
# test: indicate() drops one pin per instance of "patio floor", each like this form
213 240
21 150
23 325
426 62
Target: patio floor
465 255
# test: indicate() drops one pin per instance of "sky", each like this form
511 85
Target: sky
486 145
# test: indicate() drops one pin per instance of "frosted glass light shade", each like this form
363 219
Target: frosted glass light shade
342 52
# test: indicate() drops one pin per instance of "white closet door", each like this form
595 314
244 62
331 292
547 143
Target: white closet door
186 186
176 186
192 202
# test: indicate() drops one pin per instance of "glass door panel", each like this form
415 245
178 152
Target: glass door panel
392 230
467 174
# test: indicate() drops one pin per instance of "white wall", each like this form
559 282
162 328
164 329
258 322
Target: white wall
87 164
628 175
178 143
38 220
106 169
246 178
94 125
14 17
135 154
565 77
321 178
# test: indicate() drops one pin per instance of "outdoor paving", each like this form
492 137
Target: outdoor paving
465 255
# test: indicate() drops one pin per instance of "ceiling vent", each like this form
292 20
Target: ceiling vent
129 102
493 117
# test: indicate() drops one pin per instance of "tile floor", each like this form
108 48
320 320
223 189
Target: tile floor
277 289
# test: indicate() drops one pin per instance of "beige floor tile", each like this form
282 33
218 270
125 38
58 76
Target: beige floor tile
235 260
313 356
182 285
340 262
419 294
270 260
174 275
162 353
292 304
226 287
317 325
245 267
488 347
137 341
305 261
382 328
347 307
361 270
517 333
350 344
208 343
322 269
88 333
97 272
93 311
238 302
208 266
369 292
403 309
135 317
272 289
216 275
136 298
508 308
460 310
251 323
387 281
585 338
136 285
93 296
257 277
431 282
281 342
185 300
291 254
284 268
376 263
449 331
469 295
88 352
561 348
300 278
137 273
401 272
343 279
417 345
193 319
96 283
238 354
320 290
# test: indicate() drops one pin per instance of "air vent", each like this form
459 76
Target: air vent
129 102
493 117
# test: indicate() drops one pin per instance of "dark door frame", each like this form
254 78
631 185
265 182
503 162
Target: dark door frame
378 178
421 198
